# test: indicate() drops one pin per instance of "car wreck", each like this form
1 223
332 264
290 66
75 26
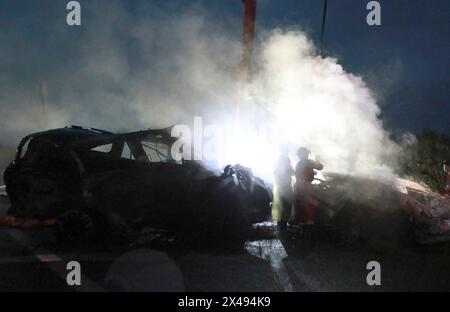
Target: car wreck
379 214
94 183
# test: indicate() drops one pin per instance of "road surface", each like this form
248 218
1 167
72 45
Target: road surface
31 261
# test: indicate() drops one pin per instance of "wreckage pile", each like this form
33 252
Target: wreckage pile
383 213
431 212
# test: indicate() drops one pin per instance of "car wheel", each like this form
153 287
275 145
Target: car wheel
74 227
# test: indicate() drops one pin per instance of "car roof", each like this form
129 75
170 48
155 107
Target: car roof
79 136
68 135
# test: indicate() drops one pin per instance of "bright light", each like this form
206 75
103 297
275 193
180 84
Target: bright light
297 98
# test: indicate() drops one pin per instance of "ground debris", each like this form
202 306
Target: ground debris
24 223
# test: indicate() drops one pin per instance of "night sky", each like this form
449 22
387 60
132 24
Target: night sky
405 60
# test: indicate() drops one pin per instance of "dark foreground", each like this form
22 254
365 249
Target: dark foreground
31 261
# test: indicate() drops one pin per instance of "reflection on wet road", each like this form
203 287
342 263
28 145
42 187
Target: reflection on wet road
272 250
29 260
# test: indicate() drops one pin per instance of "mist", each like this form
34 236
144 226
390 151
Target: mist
126 72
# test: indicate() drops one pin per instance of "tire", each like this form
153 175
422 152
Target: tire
74 227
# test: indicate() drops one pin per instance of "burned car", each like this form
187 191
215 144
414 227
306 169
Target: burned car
381 214
94 182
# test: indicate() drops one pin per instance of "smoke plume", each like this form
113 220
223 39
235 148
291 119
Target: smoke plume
124 71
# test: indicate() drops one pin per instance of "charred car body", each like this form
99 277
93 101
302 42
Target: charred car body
93 181
381 214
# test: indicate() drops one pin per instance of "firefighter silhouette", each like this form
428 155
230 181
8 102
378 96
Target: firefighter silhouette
305 170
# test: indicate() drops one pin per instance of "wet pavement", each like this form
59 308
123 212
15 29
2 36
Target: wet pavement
30 260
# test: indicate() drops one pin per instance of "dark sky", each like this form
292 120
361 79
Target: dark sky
406 60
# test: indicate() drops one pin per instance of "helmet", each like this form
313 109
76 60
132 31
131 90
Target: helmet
303 152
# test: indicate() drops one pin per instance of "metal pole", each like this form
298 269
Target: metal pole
248 34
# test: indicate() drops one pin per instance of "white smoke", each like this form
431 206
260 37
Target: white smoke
314 102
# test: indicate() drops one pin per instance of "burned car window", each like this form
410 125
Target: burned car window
45 155
23 148
156 152
105 148
127 153
39 153
101 156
